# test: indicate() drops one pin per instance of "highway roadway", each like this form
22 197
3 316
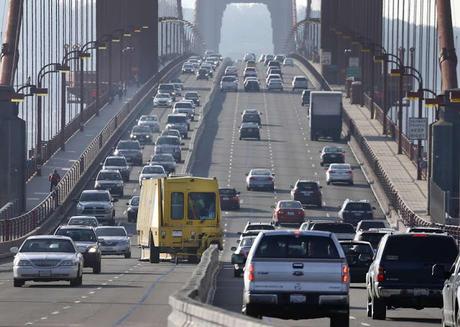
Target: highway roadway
286 149
126 293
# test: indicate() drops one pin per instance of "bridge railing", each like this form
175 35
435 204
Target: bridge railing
407 215
17 227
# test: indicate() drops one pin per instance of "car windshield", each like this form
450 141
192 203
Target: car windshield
191 96
300 79
290 205
95 197
186 105
153 170
331 149
168 140
115 162
420 248
128 145
246 242
307 186
166 87
78 235
251 117
373 238
339 167
226 191
275 81
262 172
296 247
110 231
162 158
135 201
162 96
173 119
365 225
358 206
228 79
83 222
141 129
260 227
201 205
108 176
148 118
47 245
358 248
334 228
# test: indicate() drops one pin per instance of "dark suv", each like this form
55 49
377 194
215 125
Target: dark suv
249 131
354 211
406 272
307 192
332 154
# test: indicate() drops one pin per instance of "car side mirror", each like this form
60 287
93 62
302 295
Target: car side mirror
238 259
75 200
320 187
238 193
238 233
364 257
291 186
373 208
233 248
114 200
14 249
247 174
438 271
127 203
183 143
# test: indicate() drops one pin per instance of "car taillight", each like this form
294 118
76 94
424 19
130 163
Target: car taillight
252 178
345 274
300 212
349 172
251 275
419 235
381 275
331 171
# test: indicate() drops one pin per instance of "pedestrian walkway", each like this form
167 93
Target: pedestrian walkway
400 170
398 167
38 187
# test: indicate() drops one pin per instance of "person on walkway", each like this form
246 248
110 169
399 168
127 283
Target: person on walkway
54 179
120 91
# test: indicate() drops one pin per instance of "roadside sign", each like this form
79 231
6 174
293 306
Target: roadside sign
417 128
354 72
353 62
326 58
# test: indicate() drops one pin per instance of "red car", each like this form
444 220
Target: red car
288 212
229 199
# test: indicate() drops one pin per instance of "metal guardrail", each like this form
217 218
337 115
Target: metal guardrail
408 216
17 227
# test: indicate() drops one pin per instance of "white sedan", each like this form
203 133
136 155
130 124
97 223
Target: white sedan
150 121
162 100
260 179
341 173
47 258
151 172
275 84
288 62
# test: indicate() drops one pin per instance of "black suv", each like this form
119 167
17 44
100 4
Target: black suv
85 240
407 272
305 97
307 192
354 211
251 116
332 154
249 131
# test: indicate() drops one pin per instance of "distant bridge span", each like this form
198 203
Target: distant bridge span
209 13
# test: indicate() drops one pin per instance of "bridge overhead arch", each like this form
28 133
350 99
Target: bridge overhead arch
209 13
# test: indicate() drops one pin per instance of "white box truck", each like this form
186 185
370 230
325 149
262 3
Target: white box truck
325 115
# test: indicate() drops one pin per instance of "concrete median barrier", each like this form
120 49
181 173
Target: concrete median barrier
190 305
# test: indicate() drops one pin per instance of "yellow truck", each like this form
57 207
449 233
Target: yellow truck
179 216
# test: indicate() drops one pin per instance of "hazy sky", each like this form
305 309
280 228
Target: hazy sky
191 3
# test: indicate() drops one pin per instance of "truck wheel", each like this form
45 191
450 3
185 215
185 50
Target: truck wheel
340 321
77 281
128 255
154 256
193 259
379 310
369 305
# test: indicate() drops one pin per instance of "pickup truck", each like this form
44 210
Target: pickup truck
296 275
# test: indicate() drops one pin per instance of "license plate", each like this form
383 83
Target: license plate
177 233
225 199
290 214
307 193
421 292
249 129
297 298
44 273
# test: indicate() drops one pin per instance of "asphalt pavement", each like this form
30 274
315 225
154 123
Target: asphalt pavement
284 148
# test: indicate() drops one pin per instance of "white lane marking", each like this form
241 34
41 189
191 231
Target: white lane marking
92 292
352 318
28 323
66 307
55 312
77 301
44 318
365 324
99 288
83 296
328 215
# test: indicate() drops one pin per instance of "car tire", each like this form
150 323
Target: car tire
193 259
77 281
379 310
328 182
236 273
97 268
250 312
340 321
128 255
369 306
248 188
18 282
351 183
